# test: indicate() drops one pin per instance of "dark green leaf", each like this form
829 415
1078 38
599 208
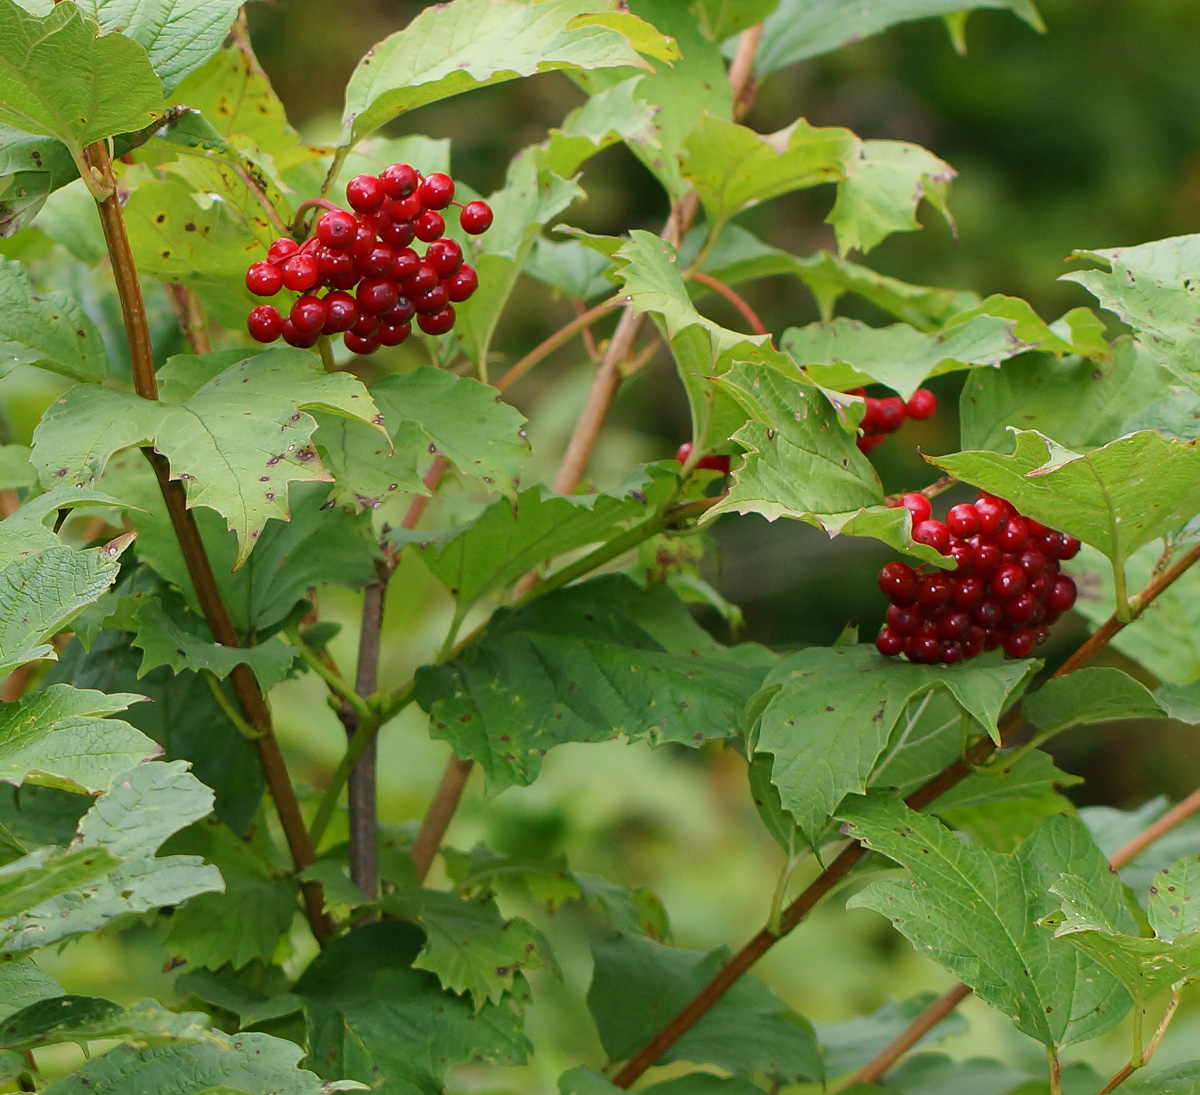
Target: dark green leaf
936 1074
526 685
1091 694
1031 777
22 984
722 19
83 1018
638 984
851 1044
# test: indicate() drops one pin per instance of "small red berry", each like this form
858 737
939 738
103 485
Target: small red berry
934 534
922 404
904 620
683 452
366 326
992 517
1062 594
438 324
714 461
1020 643
445 256
377 295
364 242
281 248
954 625
891 413
888 643
308 314
400 315
377 262
918 505
988 613
407 263
301 272
336 228
897 581
1070 547
263 279
393 336
967 592
365 193
869 443
475 218
963 520
399 180
987 555
437 191
429 226
933 590
421 282
341 312
963 555
951 652
463 284
972 644
301 339
1014 535
337 268
264 323
924 647
1009 581
406 209
360 345
431 302
1020 609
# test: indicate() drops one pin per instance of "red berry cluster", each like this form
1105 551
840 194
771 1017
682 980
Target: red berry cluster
713 461
1005 589
884 416
371 249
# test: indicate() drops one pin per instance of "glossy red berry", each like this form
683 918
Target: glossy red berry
933 590
264 323
377 295
904 620
308 314
421 282
336 229
963 555
972 644
475 218
918 505
397 234
869 443
300 272
887 642
1070 547
1014 535
1009 581
445 256
360 345
988 613
924 647
281 248
963 520
1020 643
399 181
897 582
366 326
934 534
431 302
263 279
365 193
462 284
1020 609
987 556
967 592
393 335
954 625
438 324
1061 595
377 262
294 337
891 413
950 652
922 404
341 312
437 191
401 314
429 226
337 268
992 517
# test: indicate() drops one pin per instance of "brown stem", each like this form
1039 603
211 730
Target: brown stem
245 687
748 313
441 810
190 315
589 336
561 337
840 867
9 502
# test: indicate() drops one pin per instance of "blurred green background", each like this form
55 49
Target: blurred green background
1086 137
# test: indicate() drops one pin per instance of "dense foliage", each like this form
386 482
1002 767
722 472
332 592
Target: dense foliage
176 532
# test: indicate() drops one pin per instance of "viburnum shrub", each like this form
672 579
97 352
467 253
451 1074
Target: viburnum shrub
214 458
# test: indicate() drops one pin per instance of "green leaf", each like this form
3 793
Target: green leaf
838 707
248 1063
22 984
16 471
705 1083
569 267
370 1015
1174 906
58 79
84 1018
426 412
245 922
471 948
129 821
845 353
799 29
974 911
1089 695
885 182
236 441
1152 288
1181 1080
1079 402
49 330
1144 966
24 535
637 984
510 538
179 35
1116 498
852 1043
937 1074
61 737
40 593
732 167
525 686
1031 777
467 44
721 19
47 872
612 115
30 169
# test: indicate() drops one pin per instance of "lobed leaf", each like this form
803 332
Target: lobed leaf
1089 695
84 1018
1174 906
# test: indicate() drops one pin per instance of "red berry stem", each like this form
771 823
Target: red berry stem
737 301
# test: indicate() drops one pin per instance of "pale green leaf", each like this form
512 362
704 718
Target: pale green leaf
974 911
838 707
83 1018
59 79
800 29
721 19
1181 1080
612 115
16 470
466 44
22 984
25 535
638 983
509 698
1089 695
30 169
1116 498
49 330
1031 777
1174 906
1144 966
45 873
938 1074
62 737
471 948
885 181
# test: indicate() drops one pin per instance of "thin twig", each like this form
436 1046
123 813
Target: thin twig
561 337
441 810
245 687
190 315
1130 1067
748 313
741 962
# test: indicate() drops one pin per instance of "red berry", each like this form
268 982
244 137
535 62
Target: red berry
401 314
308 315
366 326
341 312
1014 535
963 555
714 461
407 263
934 534
437 191
377 262
1009 581
364 242
967 592
1039 583
463 284
377 222
360 345
301 272
365 193
429 226
987 555
294 337
421 282
922 404
963 520
336 229
1032 561
918 505
1062 594
891 413
281 248
393 336
398 234
951 652
475 218
445 256
924 647
988 613
438 324
992 517
264 323
337 268
897 581
1070 547
1020 609
889 643
869 443
954 625
263 279
1048 542
972 644
1020 643
904 620
406 209
377 296
399 180
933 590
432 302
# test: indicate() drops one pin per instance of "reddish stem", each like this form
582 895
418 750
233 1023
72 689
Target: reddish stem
737 301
